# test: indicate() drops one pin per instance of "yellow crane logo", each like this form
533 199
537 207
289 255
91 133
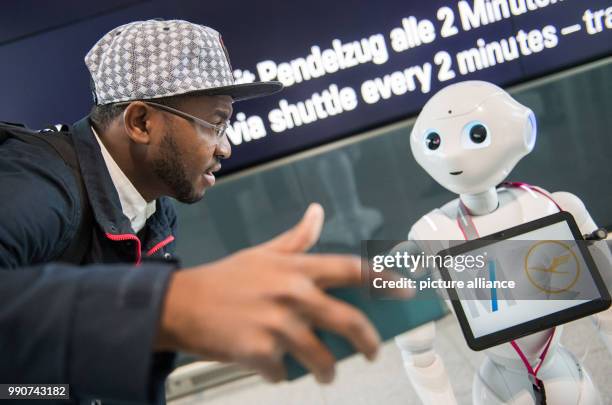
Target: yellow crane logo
552 266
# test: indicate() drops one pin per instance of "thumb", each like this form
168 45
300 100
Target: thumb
302 236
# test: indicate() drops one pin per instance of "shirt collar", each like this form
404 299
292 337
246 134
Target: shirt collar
133 205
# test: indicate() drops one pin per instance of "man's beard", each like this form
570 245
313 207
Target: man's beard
171 170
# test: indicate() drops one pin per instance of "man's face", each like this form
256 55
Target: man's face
188 153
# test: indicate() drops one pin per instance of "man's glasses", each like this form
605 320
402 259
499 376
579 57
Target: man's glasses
218 129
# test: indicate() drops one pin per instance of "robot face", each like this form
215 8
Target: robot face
470 135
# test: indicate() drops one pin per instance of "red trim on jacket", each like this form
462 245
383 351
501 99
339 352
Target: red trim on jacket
160 245
127 236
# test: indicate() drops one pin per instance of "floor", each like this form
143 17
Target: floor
384 382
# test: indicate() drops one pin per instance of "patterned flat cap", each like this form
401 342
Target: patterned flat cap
157 58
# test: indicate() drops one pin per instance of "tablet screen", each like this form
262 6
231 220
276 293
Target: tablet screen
537 276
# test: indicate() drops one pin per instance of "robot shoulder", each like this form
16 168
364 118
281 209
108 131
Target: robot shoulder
533 202
568 201
572 204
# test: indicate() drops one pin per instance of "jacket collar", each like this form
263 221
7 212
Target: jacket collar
101 191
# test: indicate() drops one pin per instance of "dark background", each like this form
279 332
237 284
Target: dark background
373 180
44 80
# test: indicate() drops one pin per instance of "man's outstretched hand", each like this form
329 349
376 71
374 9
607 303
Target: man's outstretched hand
260 303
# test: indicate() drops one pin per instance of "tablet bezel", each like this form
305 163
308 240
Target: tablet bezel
535 325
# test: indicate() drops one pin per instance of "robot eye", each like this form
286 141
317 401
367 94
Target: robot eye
475 135
432 140
478 133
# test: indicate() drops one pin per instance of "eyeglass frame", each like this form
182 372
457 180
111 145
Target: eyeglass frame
219 129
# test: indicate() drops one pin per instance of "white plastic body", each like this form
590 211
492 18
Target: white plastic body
472 169
502 378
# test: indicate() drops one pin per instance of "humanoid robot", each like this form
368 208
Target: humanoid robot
468 137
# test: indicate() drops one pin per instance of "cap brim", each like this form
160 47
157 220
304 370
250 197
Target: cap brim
245 91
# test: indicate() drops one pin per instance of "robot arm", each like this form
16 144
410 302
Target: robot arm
574 205
599 249
422 364
601 255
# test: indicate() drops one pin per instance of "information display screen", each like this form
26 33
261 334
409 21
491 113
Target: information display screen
351 66
347 66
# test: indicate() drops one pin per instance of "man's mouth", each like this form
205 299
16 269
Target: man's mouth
457 173
209 175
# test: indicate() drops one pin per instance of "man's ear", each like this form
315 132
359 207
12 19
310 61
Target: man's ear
137 122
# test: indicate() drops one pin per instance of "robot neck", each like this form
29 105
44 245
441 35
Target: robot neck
481 203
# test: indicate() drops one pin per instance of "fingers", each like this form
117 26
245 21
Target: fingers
307 349
336 316
327 270
264 355
272 370
331 270
302 236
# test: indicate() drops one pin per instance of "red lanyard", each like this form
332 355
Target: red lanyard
469 231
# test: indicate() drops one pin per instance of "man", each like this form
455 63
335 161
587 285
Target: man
164 92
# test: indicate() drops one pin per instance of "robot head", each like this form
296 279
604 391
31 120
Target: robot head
470 135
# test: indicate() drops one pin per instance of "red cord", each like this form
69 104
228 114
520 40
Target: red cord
465 211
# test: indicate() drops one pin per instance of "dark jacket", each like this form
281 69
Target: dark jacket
93 326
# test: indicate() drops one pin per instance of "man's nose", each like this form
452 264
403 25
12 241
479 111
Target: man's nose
224 148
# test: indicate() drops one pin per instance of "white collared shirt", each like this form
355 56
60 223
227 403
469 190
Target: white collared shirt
133 205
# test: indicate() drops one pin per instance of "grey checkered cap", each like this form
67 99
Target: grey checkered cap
153 59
